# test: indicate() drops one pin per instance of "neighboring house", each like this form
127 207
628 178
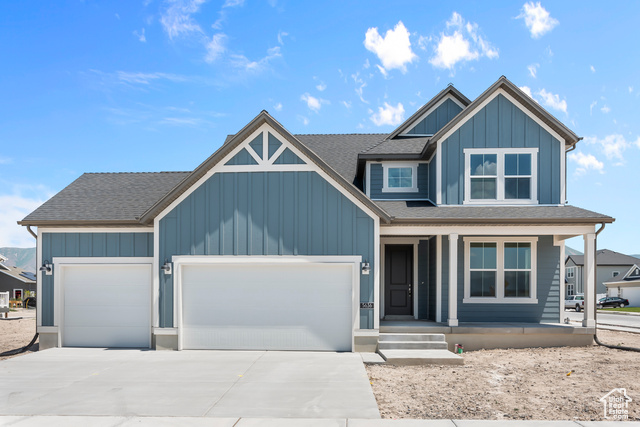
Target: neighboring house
626 285
16 281
610 264
282 241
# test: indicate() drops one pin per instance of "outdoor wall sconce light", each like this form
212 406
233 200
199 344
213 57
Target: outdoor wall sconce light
47 268
166 267
365 268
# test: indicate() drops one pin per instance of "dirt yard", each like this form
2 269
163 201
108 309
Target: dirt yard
528 384
16 333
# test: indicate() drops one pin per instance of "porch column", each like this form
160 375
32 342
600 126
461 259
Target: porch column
589 280
453 280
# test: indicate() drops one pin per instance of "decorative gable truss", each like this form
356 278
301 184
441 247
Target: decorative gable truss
265 150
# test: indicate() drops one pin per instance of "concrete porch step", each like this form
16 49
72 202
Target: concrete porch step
412 345
411 337
421 357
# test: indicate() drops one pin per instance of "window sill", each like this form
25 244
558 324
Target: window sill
490 300
399 190
506 202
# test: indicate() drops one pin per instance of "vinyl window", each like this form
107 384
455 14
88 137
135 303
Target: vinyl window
500 270
501 175
400 178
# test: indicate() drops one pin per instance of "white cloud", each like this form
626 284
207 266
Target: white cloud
593 104
242 62
14 207
312 102
527 90
630 89
5 160
347 104
605 109
586 162
533 69
303 119
278 106
140 35
147 78
281 36
393 50
552 100
613 146
216 47
360 85
177 19
321 86
366 64
592 68
464 44
537 19
233 3
423 42
389 115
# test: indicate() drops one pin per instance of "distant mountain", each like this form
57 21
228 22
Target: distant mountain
570 251
24 258
636 255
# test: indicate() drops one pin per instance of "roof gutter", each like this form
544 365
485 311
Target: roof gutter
500 221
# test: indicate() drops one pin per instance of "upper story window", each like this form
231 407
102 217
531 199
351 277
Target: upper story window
571 273
400 178
501 175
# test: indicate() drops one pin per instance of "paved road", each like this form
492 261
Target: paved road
627 321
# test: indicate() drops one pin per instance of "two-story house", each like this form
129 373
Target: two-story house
454 222
610 264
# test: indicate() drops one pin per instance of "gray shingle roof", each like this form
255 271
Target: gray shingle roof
608 257
341 151
398 146
17 273
427 213
108 197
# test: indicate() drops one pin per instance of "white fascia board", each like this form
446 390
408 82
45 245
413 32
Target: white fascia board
264 128
377 272
103 261
496 230
155 276
266 259
141 229
431 110
39 276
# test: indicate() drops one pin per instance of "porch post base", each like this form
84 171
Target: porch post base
452 322
589 323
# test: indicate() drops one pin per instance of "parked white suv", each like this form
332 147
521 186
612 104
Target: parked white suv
574 301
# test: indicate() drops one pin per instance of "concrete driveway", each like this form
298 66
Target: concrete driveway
75 381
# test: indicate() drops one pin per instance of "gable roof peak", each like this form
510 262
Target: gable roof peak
450 90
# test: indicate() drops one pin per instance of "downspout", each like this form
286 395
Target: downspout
595 302
35 337
573 147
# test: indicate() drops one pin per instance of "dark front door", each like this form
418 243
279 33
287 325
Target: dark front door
398 280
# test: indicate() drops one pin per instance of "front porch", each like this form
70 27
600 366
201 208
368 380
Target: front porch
491 335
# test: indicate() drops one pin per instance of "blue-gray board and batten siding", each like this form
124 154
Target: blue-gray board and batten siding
437 119
377 181
547 310
500 124
266 213
57 245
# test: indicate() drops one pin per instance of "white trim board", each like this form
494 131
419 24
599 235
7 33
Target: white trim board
489 230
144 229
180 261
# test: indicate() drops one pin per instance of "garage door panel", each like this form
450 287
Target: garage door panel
107 305
96 336
271 307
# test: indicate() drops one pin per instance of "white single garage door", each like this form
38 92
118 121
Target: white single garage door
267 306
106 305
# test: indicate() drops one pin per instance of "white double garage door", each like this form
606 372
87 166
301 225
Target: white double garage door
250 304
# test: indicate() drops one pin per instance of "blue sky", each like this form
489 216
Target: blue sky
151 85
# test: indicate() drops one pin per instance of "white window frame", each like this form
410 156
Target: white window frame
571 272
500 181
21 294
570 290
385 178
500 298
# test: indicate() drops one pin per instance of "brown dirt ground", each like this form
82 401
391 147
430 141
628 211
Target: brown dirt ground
526 384
16 333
